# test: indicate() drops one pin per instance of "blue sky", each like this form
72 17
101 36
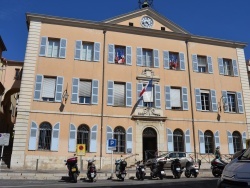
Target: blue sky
224 19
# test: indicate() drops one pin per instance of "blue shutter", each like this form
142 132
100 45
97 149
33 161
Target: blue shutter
63 45
240 102
225 101
128 55
244 137
217 138
93 139
95 85
59 89
109 135
184 98
72 138
170 140
167 97
111 55
235 67
195 63
97 49
230 143
202 142
43 46
198 99
78 49
128 94
75 86
38 87
156 58
157 95
166 59
213 100
139 56
210 64
182 61
139 88
187 141
221 67
129 139
55 137
110 101
33 136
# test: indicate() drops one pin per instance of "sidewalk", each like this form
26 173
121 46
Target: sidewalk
62 175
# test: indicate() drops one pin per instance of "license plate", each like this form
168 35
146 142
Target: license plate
162 172
178 169
142 170
92 175
73 169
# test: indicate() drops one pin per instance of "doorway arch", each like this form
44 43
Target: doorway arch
149 143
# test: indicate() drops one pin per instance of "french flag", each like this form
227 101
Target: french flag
148 87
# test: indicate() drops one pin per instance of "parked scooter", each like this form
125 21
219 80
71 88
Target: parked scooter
176 168
72 168
140 170
120 169
192 169
157 168
217 167
91 172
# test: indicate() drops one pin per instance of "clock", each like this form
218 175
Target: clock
147 22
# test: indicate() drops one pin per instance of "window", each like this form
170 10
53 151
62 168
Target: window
53 47
205 102
45 131
17 74
175 97
49 88
87 51
228 67
120 54
83 136
202 63
237 141
227 64
119 94
209 142
85 92
231 102
119 135
178 140
147 58
148 96
174 61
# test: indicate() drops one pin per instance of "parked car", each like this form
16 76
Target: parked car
236 173
169 157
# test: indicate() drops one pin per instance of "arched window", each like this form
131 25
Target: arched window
209 142
120 135
178 140
83 136
45 131
237 141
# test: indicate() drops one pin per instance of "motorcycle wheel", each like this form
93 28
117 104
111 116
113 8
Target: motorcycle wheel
138 176
216 172
178 176
161 176
187 174
122 179
195 175
74 176
142 177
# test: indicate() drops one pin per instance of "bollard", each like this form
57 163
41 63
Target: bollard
37 164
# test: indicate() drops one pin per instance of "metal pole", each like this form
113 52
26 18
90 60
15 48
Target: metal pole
37 164
1 157
111 165
81 161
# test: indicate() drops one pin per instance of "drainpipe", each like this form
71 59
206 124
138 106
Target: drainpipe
103 72
191 98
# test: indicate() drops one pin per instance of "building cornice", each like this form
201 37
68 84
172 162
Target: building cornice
132 30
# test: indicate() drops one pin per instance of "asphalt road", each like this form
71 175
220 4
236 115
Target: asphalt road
177 183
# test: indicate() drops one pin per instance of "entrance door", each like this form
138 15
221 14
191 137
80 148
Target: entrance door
149 142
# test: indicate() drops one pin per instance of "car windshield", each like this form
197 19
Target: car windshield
246 155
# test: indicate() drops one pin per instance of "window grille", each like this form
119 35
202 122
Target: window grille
237 141
83 136
209 142
45 131
178 140
119 135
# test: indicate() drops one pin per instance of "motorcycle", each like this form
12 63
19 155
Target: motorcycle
176 168
140 170
73 171
217 167
120 170
91 172
192 169
157 168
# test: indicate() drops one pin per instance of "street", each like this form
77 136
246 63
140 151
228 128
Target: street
177 183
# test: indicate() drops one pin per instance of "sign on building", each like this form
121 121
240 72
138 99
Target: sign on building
81 149
112 144
4 139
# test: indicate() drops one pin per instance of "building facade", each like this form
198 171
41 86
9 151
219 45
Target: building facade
82 82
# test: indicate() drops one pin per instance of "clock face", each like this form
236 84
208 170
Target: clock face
147 22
